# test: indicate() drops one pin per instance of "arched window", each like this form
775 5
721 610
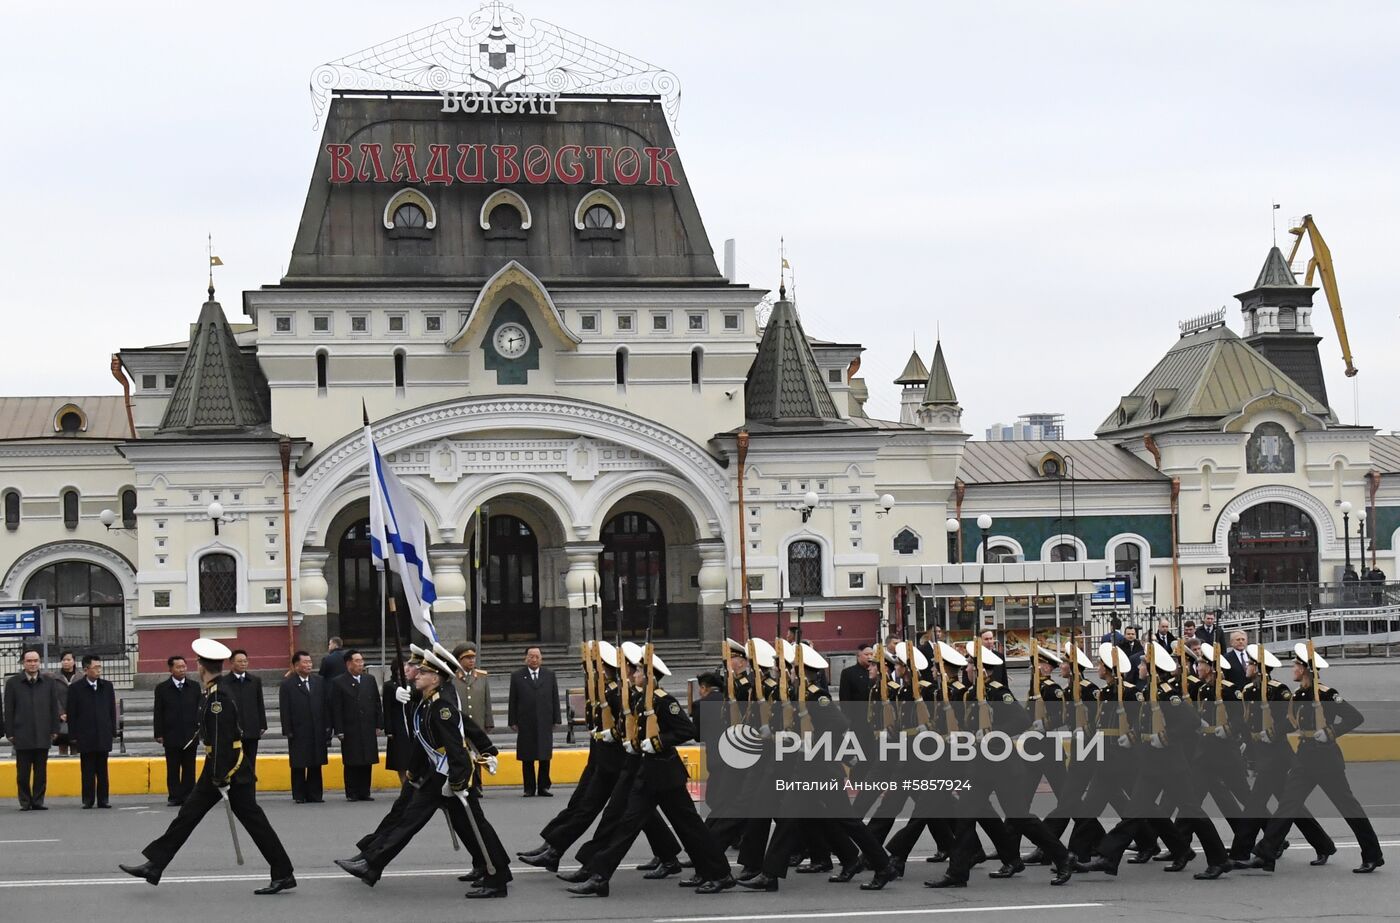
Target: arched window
128 509
506 222
70 509
1064 551
218 583
1127 559
906 542
697 365
12 510
359 602
70 423
400 361
634 558
599 218
83 605
323 362
622 367
410 216
805 569
1000 554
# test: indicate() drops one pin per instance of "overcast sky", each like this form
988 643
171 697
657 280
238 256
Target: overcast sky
1052 184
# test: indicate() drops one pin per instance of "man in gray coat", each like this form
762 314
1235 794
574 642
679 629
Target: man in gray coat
533 713
32 717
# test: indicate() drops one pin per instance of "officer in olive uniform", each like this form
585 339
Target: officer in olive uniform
225 775
1322 718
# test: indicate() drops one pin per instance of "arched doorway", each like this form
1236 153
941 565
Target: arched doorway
358 582
1273 545
83 606
511 610
632 569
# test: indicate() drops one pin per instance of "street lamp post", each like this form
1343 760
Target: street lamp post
952 525
1361 539
1346 534
984 522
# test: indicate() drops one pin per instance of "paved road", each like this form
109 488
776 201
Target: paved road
77 851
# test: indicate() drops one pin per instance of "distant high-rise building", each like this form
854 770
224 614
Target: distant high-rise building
1029 427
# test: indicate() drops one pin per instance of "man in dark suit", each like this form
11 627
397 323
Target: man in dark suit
998 672
1208 632
533 713
32 717
1164 636
176 722
1236 659
92 724
357 714
333 664
1114 635
855 679
302 704
247 690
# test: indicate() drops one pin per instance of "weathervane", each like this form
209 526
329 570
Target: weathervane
495 60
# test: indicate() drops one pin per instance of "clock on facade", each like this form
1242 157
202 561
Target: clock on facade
511 341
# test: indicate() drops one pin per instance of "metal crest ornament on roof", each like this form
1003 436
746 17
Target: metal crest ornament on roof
494 60
1201 322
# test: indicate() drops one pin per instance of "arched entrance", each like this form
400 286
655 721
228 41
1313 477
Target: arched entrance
83 606
632 569
510 578
1273 545
358 584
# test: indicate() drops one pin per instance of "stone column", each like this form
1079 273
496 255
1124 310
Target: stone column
581 581
714 590
313 590
450 610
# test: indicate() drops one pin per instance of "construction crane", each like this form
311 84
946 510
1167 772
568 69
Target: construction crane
1321 262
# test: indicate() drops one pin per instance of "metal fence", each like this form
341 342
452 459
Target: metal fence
1354 594
118 661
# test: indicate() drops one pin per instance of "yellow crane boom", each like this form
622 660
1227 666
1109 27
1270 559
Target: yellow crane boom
1321 263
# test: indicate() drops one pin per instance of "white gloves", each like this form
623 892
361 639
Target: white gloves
402 695
627 745
919 729
1220 732
765 732
1125 741
1322 736
492 764
647 747
607 736
1155 741
447 790
1038 724
1264 737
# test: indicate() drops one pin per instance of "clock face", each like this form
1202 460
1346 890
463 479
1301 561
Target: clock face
511 341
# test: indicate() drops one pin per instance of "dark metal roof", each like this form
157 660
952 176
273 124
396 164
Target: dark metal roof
1205 376
216 391
1017 462
342 240
915 372
1275 272
1385 453
785 385
940 383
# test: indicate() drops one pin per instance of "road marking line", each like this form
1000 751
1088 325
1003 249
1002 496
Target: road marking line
13 842
878 913
212 879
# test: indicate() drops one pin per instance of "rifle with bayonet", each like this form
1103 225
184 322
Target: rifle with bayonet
1267 716
1036 699
1159 729
588 652
1124 728
984 711
804 723
653 728
605 715
629 717
1081 713
951 720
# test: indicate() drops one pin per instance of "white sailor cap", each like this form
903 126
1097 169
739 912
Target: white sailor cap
1114 661
1270 661
788 649
1047 654
1300 654
951 655
737 647
209 649
1078 653
607 653
990 658
1161 657
902 652
764 656
1208 652
636 654
810 657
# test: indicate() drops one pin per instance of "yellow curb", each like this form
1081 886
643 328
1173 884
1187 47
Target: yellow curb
146 775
